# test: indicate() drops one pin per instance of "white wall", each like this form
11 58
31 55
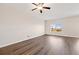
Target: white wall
70 26
16 24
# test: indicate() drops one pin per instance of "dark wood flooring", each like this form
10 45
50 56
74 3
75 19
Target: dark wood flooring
44 45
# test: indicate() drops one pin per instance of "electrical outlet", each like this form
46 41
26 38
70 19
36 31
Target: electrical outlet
28 35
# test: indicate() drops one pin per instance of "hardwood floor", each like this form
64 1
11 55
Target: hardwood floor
44 45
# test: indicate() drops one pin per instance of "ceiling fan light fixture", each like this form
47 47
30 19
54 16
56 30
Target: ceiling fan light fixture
40 8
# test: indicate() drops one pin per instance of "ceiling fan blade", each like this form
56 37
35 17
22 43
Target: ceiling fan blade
40 11
46 7
34 4
34 9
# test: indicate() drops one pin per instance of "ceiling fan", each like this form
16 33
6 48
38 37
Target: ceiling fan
40 7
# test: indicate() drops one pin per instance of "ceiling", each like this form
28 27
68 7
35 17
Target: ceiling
58 10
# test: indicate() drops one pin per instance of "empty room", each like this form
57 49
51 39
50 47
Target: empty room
39 28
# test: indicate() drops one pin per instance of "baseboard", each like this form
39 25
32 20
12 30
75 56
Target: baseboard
19 41
64 35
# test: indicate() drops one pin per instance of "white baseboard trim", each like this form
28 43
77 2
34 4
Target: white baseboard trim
19 41
64 35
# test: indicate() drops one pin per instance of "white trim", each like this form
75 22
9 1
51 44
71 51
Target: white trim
64 35
19 41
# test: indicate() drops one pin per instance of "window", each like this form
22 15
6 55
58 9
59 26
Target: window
56 27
